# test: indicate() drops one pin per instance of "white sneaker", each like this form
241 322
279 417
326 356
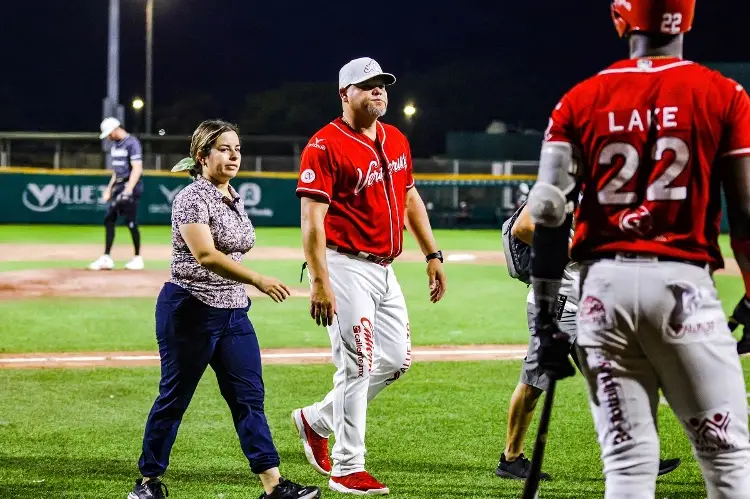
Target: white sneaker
104 262
136 263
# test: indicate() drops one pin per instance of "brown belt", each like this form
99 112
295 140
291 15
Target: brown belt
379 260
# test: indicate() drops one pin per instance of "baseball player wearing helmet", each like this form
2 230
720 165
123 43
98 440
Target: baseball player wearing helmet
357 194
518 233
649 142
123 192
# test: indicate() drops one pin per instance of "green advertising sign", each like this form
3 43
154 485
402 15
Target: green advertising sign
74 199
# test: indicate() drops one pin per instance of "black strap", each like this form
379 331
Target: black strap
302 272
561 301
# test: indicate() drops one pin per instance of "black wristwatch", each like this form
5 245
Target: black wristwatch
438 255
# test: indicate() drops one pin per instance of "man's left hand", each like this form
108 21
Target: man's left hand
438 282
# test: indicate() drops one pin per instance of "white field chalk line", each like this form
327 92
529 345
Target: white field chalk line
513 353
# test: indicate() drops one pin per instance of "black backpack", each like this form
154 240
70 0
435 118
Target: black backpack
517 252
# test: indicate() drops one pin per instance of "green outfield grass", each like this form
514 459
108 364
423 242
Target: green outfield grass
267 236
482 306
437 433
290 237
463 317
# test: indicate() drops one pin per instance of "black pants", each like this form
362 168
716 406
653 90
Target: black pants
192 336
127 208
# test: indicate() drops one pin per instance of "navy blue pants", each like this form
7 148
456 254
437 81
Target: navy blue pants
192 336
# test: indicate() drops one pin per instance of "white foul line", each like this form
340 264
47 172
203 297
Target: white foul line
512 353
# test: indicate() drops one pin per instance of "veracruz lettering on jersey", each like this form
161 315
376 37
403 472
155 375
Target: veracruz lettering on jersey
364 182
650 134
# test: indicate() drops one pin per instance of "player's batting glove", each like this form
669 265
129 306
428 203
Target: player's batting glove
741 317
554 351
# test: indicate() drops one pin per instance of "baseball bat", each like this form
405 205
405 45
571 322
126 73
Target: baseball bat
531 488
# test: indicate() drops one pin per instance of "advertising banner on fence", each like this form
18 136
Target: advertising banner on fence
75 199
57 197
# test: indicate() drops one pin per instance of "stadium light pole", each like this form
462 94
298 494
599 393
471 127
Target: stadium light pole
110 104
149 64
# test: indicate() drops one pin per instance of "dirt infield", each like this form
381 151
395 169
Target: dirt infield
61 282
269 356
81 283
61 252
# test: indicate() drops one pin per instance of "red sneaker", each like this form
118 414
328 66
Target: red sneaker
316 447
361 484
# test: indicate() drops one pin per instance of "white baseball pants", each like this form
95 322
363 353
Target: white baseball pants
645 325
371 346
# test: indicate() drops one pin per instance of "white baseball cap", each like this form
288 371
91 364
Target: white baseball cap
362 69
108 126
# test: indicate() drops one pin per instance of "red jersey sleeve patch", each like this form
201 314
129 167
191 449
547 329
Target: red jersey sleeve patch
736 140
316 170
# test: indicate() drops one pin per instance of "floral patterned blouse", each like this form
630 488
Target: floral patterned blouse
233 234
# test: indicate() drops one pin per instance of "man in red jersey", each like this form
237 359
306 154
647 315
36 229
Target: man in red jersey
649 142
357 195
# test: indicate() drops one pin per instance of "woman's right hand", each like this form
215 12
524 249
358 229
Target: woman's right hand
106 195
274 288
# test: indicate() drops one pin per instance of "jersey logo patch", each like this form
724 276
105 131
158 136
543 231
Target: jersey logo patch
638 221
645 64
308 176
317 144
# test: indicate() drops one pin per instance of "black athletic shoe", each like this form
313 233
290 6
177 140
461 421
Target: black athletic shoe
289 490
518 469
743 346
150 490
668 465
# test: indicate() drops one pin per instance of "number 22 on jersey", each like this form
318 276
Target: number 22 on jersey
659 189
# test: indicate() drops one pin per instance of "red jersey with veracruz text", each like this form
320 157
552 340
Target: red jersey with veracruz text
651 134
364 182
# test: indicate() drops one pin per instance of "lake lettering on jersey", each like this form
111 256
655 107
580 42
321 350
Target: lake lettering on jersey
639 120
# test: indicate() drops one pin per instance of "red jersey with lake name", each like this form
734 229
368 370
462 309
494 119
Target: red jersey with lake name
365 184
650 134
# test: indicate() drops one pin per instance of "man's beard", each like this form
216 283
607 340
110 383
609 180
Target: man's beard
376 111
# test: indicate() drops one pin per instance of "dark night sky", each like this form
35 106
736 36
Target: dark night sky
53 52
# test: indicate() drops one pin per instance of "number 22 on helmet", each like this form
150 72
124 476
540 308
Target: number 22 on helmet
667 17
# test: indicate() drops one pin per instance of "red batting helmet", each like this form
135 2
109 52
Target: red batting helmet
668 17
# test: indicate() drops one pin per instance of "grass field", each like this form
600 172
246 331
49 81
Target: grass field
437 433
267 236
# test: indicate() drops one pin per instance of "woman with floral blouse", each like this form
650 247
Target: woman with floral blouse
201 317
